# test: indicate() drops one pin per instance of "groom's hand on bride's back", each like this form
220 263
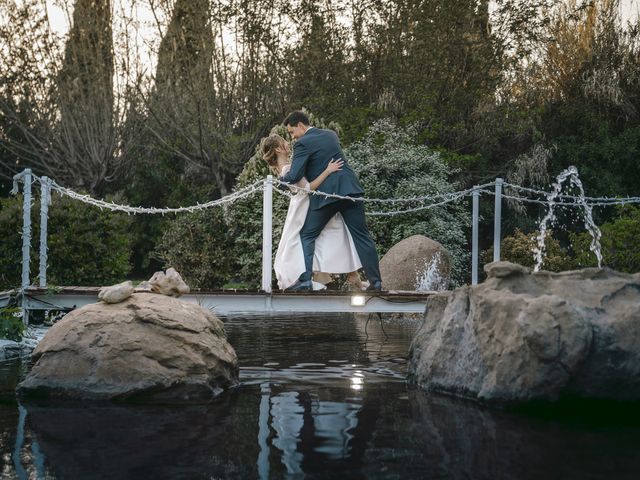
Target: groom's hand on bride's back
335 165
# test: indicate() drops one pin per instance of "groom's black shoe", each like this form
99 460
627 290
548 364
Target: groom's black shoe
374 287
301 286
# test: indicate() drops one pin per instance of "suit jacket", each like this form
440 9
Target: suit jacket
311 155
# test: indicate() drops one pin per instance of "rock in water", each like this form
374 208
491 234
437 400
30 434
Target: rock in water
116 293
416 263
521 336
147 348
169 283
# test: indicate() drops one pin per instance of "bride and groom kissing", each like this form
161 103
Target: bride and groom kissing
322 235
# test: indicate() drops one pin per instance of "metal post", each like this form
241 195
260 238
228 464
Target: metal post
474 236
497 219
267 224
26 227
45 200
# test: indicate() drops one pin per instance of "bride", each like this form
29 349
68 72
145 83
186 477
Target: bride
334 248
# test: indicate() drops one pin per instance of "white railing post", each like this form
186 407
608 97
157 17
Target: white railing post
24 176
45 200
474 236
26 228
497 220
267 226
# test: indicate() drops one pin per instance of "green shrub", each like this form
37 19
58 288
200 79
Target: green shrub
197 245
11 241
11 326
620 243
87 246
390 164
518 248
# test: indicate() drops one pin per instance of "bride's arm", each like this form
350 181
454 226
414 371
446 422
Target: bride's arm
334 166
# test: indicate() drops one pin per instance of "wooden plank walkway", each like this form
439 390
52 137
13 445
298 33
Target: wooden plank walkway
249 302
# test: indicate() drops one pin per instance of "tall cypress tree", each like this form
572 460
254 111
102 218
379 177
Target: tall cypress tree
85 95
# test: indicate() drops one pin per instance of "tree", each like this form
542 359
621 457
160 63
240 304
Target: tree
63 111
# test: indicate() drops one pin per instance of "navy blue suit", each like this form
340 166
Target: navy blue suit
311 155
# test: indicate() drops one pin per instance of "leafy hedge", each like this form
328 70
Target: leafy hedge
620 243
87 246
518 248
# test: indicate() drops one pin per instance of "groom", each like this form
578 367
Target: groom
313 150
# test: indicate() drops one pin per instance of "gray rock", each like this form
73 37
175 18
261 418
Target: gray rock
143 286
416 263
147 348
116 293
521 336
169 283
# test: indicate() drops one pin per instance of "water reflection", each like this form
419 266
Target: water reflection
318 400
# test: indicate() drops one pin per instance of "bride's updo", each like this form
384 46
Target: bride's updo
268 147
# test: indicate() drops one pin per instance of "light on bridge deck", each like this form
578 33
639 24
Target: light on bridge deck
358 301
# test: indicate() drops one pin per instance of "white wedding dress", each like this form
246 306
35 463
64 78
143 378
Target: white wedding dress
334 248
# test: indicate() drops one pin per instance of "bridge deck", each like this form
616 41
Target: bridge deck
237 301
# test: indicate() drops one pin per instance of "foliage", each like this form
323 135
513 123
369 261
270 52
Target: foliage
513 88
518 248
198 247
87 246
620 243
11 326
390 164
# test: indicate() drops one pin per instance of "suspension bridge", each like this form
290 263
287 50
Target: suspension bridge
233 301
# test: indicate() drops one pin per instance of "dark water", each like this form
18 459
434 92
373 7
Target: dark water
319 399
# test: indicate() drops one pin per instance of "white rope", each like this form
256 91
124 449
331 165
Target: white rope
593 202
452 198
242 193
438 200
418 209
590 200
416 199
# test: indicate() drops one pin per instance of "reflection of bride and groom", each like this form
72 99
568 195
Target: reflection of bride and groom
321 235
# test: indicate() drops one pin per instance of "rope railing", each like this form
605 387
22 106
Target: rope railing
416 199
102 204
396 206
601 201
560 200
436 200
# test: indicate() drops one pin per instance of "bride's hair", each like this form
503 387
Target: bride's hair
268 147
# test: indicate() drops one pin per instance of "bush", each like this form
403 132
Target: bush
390 164
518 248
87 246
620 243
197 245
11 326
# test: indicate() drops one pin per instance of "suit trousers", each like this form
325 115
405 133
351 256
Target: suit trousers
354 218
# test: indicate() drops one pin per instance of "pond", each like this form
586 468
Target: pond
321 397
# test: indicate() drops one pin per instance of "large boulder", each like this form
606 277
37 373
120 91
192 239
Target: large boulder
148 348
416 263
523 336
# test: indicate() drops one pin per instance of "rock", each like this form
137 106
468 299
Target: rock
523 336
116 293
416 263
169 283
143 286
147 348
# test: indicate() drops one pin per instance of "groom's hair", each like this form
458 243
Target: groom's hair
296 117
